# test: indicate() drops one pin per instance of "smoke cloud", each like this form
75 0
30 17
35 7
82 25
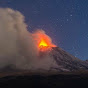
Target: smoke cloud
16 43
18 46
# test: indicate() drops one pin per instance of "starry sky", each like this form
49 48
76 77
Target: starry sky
65 21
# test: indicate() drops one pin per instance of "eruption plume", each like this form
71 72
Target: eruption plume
19 47
44 42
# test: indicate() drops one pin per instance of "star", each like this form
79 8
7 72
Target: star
67 19
71 15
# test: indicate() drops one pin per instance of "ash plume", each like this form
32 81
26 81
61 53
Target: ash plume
18 46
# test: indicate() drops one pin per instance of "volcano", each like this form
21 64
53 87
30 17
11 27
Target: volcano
59 68
66 61
54 59
58 60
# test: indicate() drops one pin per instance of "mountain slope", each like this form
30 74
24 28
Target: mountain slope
53 60
67 61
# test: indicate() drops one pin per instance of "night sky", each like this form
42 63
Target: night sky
65 21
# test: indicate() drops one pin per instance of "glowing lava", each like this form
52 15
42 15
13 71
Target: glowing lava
43 43
43 40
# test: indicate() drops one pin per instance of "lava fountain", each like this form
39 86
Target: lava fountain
44 42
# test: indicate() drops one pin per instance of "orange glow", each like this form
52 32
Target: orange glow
43 46
44 42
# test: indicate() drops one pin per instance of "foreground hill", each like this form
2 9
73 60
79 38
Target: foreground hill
42 81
